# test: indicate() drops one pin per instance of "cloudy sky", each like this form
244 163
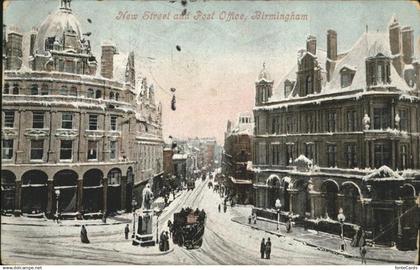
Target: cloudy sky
215 70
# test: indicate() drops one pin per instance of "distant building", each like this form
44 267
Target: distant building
341 130
237 157
90 140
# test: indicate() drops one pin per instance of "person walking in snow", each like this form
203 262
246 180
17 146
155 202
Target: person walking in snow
219 207
363 252
83 235
262 248
126 231
268 249
224 208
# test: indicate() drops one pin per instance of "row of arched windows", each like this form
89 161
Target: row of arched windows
64 91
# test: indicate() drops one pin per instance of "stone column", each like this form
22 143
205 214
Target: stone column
105 195
372 151
292 204
50 192
123 192
18 198
399 236
393 154
80 196
312 196
367 150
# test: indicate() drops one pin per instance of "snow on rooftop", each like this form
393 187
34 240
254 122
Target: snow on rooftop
304 159
384 173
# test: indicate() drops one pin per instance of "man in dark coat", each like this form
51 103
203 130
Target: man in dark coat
219 207
126 231
268 248
83 235
224 208
166 245
262 248
363 252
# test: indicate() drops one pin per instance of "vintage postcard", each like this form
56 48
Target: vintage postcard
194 132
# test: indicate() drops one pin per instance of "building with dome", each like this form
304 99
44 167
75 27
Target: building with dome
340 133
74 135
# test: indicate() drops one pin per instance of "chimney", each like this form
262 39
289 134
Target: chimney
107 60
395 45
14 50
33 40
331 52
130 72
407 44
311 44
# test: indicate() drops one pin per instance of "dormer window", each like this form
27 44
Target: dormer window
378 70
347 76
288 87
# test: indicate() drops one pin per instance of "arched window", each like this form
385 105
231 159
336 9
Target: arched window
44 90
117 96
64 91
6 89
73 91
15 89
309 86
98 94
34 89
90 93
111 95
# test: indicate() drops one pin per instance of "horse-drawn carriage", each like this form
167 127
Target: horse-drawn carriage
188 228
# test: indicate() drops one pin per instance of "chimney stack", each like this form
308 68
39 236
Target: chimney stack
107 60
407 44
33 40
395 45
311 44
130 72
331 52
14 50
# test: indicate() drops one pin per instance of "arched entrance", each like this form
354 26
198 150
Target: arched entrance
300 197
329 190
286 195
409 218
351 202
66 182
273 190
114 190
8 191
34 192
92 191
129 189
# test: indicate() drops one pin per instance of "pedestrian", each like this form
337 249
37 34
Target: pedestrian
262 248
166 241
162 241
219 207
249 219
126 231
268 249
83 235
224 208
255 218
104 217
363 253
288 225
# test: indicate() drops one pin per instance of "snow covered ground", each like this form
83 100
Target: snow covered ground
225 242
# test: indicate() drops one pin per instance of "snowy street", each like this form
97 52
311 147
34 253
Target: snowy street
225 242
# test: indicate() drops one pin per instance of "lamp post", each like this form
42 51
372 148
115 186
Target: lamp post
57 197
157 212
278 207
133 205
341 218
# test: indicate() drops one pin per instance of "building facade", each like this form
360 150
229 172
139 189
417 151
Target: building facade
84 141
341 133
236 159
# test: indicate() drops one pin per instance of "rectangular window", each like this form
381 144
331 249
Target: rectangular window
310 123
92 150
382 154
309 150
37 149
332 122
403 114
404 156
67 120
351 121
261 153
38 119
331 155
93 122
275 154
350 155
9 118
289 154
381 118
113 122
289 124
113 150
66 149
7 149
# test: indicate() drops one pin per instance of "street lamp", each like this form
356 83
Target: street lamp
133 205
278 206
341 218
57 197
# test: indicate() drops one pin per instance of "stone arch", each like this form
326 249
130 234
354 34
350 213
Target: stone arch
114 190
329 191
299 199
351 202
274 190
92 190
66 182
34 191
8 190
98 94
407 191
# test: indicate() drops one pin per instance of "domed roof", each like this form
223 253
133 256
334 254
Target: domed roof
55 25
264 75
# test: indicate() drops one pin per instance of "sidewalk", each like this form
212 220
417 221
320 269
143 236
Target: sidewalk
329 242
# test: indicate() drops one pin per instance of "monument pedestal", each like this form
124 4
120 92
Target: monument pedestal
144 233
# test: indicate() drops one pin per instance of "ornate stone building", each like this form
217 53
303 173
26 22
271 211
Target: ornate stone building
94 138
342 130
